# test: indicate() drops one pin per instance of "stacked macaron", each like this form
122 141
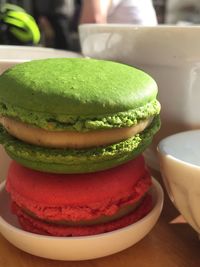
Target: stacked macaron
75 129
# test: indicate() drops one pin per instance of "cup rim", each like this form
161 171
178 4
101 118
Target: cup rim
162 151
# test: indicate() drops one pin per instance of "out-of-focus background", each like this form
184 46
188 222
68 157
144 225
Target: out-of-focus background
58 20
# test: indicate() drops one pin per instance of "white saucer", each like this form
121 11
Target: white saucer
77 248
12 54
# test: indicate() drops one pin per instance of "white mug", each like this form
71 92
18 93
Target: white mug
170 54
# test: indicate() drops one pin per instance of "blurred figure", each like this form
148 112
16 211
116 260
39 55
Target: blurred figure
54 17
118 11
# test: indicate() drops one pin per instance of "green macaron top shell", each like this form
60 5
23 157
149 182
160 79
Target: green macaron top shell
77 94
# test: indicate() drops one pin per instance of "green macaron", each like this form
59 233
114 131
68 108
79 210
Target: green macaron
78 96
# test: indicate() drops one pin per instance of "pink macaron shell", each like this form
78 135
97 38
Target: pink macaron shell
37 226
78 197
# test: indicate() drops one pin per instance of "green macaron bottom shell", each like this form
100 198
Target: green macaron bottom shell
60 122
78 160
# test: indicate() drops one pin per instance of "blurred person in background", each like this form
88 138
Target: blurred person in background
118 11
53 19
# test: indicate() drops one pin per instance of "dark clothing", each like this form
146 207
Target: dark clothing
59 14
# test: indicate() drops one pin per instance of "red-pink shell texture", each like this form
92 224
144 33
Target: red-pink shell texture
75 197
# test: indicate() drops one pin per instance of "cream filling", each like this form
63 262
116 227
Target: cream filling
69 139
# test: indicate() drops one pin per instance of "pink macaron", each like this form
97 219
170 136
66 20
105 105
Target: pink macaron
80 204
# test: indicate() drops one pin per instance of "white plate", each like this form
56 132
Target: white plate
21 53
77 248
11 55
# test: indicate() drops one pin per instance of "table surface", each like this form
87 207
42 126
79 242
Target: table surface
167 245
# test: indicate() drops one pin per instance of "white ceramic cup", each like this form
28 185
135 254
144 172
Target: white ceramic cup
179 157
11 55
170 54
